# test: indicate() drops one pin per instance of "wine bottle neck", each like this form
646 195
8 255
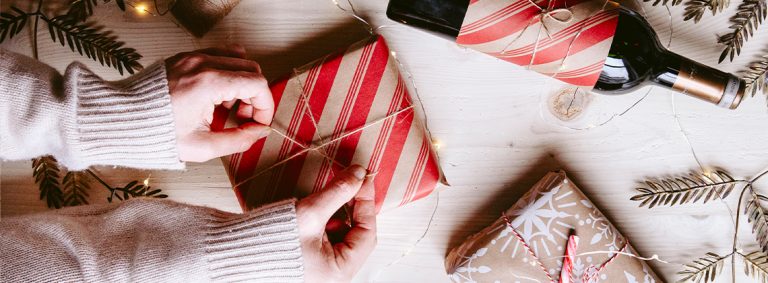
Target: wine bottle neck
698 80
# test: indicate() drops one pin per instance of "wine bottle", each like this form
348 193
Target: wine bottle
636 57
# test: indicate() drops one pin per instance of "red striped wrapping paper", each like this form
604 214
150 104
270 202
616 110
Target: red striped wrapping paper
542 35
359 88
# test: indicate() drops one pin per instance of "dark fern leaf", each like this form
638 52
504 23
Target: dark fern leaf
756 215
705 269
120 4
134 190
45 170
665 2
75 188
749 15
12 24
756 266
686 189
98 45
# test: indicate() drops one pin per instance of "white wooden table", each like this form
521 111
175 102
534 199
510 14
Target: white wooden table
486 114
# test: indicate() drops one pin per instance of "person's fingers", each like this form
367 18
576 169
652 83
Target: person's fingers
361 238
232 50
338 192
229 103
231 85
231 140
244 111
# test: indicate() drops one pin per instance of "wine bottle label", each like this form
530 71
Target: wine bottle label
708 84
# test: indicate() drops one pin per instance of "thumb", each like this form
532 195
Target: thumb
233 140
338 192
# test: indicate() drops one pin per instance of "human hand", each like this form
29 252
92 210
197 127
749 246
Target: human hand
325 261
200 80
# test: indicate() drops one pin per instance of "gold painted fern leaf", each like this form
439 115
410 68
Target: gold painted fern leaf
695 9
756 215
686 189
748 17
754 76
756 266
705 269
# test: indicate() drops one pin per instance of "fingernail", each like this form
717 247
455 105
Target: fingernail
358 171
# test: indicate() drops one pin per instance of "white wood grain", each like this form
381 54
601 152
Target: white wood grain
486 114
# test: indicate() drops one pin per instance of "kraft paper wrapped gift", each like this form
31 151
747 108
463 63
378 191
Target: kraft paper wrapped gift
356 106
566 40
528 243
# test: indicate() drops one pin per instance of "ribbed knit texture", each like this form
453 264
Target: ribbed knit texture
146 240
83 120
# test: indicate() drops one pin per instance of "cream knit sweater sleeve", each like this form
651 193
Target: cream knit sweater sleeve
82 121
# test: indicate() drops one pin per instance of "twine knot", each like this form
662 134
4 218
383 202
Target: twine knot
559 15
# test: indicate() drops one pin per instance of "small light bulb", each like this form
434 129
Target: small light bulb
394 54
141 8
562 67
437 144
146 182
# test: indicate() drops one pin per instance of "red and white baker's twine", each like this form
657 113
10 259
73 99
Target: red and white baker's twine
527 248
591 273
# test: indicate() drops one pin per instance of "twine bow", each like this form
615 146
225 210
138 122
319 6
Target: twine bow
549 12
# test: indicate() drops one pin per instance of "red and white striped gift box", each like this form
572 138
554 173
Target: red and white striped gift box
356 103
566 40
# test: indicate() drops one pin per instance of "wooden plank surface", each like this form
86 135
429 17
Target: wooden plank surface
496 137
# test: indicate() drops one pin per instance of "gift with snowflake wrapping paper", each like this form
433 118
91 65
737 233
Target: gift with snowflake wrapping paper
350 107
530 243
565 40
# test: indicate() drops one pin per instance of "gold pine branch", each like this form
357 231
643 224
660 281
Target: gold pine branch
686 189
756 215
705 269
748 17
756 266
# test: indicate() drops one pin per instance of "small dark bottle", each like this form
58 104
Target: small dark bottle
636 57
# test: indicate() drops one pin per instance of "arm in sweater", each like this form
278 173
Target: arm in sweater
83 120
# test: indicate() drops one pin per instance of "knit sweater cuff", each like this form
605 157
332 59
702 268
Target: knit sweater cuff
125 123
262 245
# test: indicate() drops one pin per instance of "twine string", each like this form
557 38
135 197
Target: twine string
527 248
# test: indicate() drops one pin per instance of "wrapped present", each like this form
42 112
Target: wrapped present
566 40
530 242
347 108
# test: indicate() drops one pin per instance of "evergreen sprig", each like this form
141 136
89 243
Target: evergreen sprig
695 9
665 2
756 266
12 24
705 269
46 172
686 189
96 44
749 15
75 188
133 190
757 216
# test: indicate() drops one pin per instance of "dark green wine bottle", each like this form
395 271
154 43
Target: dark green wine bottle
636 57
